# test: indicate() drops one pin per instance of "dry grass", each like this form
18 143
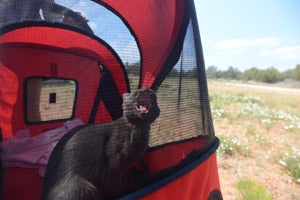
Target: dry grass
266 121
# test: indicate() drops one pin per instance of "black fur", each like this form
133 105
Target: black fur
92 161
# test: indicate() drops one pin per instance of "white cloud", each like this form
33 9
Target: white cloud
280 52
268 48
290 52
238 46
128 50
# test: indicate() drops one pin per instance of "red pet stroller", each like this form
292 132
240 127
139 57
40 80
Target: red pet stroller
65 63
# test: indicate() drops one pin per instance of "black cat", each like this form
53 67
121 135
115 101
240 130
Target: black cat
91 162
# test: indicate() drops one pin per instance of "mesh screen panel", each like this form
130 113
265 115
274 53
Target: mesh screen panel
77 58
179 100
182 95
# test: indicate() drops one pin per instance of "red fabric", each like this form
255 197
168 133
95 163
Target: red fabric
77 56
195 185
37 49
83 69
156 29
8 97
70 42
25 66
21 183
171 155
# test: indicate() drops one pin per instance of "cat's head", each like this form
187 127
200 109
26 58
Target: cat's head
140 106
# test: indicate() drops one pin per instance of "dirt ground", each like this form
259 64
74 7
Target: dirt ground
266 143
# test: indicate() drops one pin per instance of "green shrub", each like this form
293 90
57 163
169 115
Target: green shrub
250 190
232 146
292 163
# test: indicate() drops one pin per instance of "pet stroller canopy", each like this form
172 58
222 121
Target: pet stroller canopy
66 63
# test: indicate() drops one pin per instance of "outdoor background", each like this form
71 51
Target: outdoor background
252 55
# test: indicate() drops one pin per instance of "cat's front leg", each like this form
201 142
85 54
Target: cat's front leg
73 188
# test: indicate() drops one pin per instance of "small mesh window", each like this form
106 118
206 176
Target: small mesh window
49 99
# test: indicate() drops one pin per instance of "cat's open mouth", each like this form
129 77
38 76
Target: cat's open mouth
144 101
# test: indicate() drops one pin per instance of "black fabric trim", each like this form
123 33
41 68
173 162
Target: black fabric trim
55 158
1 135
180 82
208 127
1 177
215 195
108 93
166 176
176 51
32 23
25 24
108 7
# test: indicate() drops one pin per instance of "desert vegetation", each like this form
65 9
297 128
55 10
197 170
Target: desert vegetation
258 128
269 75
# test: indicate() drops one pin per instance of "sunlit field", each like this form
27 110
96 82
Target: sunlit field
259 130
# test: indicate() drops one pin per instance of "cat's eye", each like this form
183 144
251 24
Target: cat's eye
49 99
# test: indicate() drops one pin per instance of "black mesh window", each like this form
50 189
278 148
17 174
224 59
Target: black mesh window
179 100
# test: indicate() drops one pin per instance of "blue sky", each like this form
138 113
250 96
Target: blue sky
241 34
245 34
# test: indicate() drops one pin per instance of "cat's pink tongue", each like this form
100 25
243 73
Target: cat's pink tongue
143 109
